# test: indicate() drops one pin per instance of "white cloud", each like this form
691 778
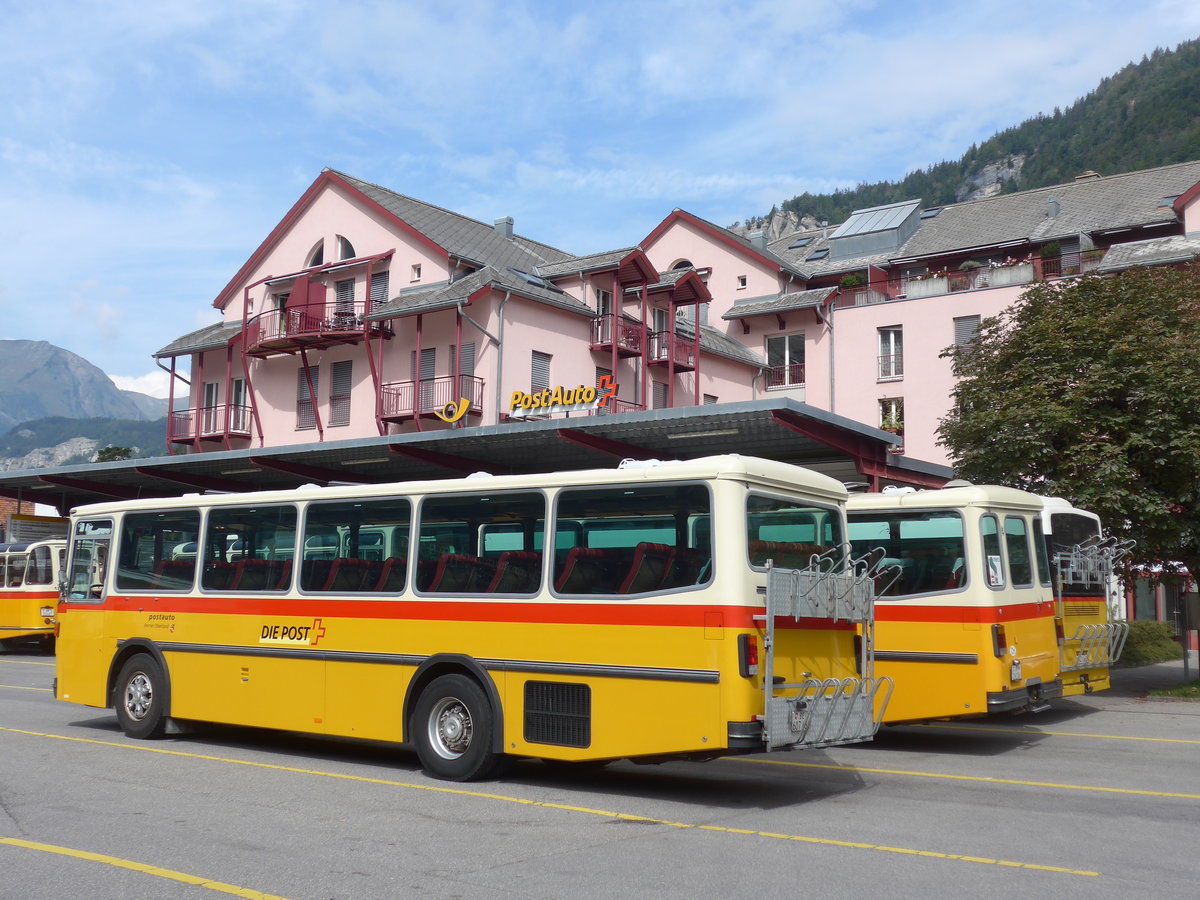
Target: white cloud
155 384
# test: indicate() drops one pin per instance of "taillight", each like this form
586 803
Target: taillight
1059 631
999 641
747 655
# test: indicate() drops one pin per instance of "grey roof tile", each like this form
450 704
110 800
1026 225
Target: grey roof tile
461 236
606 260
445 295
210 337
1155 252
778 303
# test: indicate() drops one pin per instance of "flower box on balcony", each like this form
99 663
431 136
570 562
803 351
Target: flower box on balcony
1002 276
927 287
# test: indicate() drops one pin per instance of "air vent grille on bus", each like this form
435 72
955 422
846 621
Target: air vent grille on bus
557 713
1081 609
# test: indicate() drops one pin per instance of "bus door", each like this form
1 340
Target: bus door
87 655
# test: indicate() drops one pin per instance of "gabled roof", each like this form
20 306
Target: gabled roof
779 303
447 295
715 342
444 233
1091 206
725 236
210 337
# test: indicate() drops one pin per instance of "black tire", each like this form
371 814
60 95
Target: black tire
139 697
452 727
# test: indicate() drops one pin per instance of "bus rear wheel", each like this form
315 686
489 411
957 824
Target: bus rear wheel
453 725
138 697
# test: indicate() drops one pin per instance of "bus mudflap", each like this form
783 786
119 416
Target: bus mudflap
821 712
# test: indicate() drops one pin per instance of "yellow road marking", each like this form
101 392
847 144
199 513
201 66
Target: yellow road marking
977 778
1026 731
21 687
158 871
26 662
544 804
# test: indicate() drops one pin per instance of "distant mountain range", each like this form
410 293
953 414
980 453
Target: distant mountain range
56 408
1145 115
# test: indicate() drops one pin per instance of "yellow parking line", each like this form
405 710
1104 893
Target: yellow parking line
976 778
1032 733
145 869
26 662
22 687
522 801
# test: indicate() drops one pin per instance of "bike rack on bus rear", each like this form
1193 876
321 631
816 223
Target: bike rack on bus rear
822 712
1091 564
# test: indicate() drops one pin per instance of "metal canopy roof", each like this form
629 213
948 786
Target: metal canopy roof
776 429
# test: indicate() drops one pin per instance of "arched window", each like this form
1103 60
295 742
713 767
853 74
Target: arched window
682 264
345 248
317 256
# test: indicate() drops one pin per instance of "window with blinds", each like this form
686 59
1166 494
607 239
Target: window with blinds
343 310
965 329
379 289
306 414
659 395
539 376
340 377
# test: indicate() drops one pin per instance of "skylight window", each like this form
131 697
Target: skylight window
819 254
535 280
931 212
799 242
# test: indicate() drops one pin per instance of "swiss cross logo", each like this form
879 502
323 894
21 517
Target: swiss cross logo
318 631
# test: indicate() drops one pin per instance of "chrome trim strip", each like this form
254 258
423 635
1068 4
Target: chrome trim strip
967 659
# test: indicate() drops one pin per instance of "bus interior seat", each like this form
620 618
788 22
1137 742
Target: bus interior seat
650 568
252 574
517 572
786 554
691 566
587 570
462 573
391 575
174 574
218 575
285 576
314 573
349 574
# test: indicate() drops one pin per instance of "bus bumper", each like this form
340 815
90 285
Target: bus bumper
1030 698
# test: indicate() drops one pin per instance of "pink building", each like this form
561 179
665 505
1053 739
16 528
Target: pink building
366 312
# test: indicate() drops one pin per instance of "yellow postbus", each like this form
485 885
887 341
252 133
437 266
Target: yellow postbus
29 578
965 612
657 610
1082 560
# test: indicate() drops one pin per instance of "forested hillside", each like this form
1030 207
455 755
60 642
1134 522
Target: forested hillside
1146 115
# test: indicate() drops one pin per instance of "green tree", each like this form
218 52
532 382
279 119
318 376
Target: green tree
1090 389
112 453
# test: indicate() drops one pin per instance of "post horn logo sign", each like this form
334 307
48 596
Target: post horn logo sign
452 412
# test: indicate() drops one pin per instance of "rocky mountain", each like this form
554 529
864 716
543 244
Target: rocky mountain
1145 115
39 380
61 441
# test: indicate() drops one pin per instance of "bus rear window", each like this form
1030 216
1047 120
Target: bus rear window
924 550
789 533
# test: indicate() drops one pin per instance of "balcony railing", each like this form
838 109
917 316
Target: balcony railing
953 281
666 346
288 329
406 399
627 332
786 376
209 423
615 406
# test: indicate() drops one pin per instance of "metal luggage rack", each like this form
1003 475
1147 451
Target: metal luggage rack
822 712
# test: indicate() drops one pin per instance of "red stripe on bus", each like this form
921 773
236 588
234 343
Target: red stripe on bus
550 613
885 612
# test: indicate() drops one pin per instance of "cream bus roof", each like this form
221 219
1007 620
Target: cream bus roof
990 495
764 473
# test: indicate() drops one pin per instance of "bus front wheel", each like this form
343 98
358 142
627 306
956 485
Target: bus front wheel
139 697
452 728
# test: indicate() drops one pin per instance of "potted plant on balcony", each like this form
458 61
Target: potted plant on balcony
893 424
1011 270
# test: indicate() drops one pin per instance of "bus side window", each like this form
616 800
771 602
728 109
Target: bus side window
993 560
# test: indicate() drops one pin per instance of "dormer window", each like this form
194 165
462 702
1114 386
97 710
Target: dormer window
345 248
317 256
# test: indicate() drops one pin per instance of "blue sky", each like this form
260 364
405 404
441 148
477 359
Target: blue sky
146 149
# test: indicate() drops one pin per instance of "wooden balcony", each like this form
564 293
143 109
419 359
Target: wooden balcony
403 400
209 423
667 347
627 333
314 326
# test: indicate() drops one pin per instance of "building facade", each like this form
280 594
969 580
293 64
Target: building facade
366 312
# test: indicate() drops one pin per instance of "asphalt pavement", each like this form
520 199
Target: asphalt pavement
1141 680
